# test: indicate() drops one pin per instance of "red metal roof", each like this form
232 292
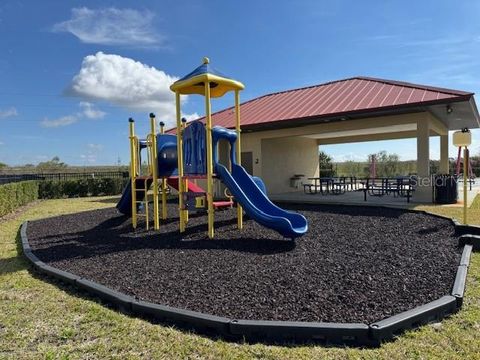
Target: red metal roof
337 98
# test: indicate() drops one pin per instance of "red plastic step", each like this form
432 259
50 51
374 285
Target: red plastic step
173 182
219 204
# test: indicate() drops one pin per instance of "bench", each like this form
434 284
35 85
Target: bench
310 188
397 187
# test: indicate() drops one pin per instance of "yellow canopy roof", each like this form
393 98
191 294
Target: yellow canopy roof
194 82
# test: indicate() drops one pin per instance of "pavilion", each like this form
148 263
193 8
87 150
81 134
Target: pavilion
282 131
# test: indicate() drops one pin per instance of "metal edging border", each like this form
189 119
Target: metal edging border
436 310
356 334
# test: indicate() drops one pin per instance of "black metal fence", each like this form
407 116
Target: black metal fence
9 178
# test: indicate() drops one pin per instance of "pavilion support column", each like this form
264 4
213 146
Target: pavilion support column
423 191
444 164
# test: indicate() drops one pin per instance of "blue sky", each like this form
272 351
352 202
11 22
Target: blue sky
72 72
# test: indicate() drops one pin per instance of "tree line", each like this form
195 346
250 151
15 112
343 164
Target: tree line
387 165
55 165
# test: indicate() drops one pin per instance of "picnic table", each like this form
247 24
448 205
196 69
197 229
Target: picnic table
329 185
398 186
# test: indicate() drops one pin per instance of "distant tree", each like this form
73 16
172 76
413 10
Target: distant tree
475 162
387 165
54 164
29 165
353 168
434 166
326 165
3 165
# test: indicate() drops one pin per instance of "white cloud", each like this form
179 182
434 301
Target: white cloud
128 83
63 121
95 147
91 155
90 158
191 117
89 111
8 113
439 41
111 26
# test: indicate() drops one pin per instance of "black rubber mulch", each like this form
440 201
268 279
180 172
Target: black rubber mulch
355 264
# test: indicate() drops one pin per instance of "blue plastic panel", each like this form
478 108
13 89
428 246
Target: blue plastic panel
167 155
194 149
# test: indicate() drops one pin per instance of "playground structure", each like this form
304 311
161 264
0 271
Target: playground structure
192 154
159 172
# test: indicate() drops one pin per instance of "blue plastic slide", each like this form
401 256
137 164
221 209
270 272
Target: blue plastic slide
125 203
258 206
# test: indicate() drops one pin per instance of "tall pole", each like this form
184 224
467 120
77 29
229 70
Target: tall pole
185 180
164 182
154 157
133 170
459 159
239 152
465 177
180 163
208 117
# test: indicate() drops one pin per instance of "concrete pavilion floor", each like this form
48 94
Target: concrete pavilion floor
357 198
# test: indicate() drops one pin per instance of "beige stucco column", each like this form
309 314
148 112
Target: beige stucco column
444 168
423 191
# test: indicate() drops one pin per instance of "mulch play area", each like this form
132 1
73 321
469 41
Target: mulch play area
355 264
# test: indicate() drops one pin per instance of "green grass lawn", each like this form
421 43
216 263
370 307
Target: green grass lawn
45 320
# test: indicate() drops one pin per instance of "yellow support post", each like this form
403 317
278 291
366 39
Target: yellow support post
185 181
164 182
465 187
147 219
154 160
180 162
208 117
133 170
239 152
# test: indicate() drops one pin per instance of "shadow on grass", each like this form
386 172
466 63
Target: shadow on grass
113 200
15 263
12 265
